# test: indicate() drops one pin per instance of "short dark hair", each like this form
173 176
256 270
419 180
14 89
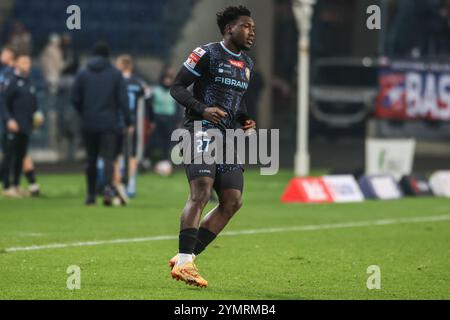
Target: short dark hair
101 48
230 14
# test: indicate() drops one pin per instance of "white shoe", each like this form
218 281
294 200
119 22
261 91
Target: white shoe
12 193
34 190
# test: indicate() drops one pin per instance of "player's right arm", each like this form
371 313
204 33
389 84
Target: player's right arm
6 97
3 111
192 69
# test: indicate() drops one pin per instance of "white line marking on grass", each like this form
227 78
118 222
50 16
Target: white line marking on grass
30 234
316 227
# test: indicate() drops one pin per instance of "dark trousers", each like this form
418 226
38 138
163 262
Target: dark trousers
15 146
160 145
99 145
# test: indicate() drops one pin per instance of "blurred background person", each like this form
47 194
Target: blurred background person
100 96
17 109
69 54
167 117
68 125
20 38
7 58
52 63
137 89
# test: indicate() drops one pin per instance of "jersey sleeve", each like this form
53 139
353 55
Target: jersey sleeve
197 61
5 99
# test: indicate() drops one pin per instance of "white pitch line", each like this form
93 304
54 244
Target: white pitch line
316 227
30 234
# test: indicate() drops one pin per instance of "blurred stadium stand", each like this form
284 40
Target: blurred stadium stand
138 26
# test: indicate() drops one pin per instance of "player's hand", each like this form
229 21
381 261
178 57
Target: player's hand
249 124
38 119
214 114
130 130
13 126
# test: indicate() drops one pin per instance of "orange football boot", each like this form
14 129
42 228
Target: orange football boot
189 274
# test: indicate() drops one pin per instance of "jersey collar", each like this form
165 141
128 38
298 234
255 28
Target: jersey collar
229 51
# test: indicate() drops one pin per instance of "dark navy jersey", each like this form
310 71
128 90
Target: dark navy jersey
5 72
19 102
136 89
222 80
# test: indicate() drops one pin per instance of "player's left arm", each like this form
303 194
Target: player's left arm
179 91
243 118
147 93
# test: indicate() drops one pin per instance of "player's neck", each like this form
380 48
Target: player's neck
231 46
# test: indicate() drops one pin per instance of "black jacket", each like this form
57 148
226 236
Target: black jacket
18 102
100 96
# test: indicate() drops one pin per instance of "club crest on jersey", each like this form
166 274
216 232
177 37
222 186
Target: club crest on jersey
247 73
237 64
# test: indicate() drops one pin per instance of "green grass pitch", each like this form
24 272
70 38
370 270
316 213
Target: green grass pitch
316 263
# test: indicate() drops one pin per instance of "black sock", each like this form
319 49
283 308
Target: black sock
31 177
204 238
187 240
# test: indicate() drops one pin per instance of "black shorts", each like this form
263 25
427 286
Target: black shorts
202 164
230 179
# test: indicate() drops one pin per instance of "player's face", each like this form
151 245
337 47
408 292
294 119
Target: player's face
244 32
23 64
119 65
7 57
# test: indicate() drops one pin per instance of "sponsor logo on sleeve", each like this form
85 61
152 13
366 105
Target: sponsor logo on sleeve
199 52
192 60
